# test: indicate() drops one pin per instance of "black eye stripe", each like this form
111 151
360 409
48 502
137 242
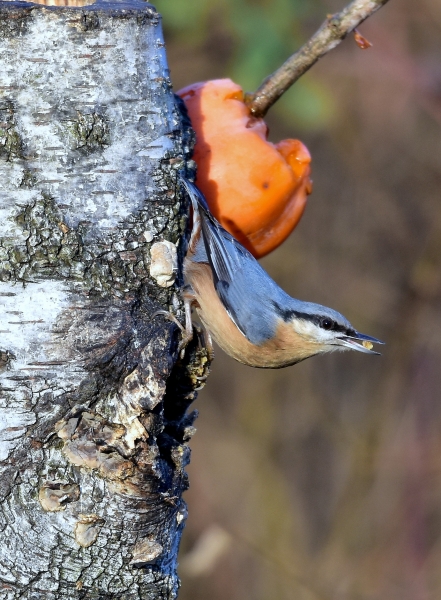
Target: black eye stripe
288 315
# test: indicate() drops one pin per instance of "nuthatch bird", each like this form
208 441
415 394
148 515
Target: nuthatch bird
250 317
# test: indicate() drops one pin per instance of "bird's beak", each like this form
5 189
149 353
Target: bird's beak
360 342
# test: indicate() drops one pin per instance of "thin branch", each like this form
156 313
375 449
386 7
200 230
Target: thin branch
330 34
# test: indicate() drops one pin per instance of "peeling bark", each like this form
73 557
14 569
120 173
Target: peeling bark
93 399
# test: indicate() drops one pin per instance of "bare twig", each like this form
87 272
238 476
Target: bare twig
330 34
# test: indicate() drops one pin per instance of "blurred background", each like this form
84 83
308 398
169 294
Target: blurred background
322 481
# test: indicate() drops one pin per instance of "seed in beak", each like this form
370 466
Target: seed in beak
367 345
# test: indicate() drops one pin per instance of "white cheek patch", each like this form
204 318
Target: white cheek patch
312 332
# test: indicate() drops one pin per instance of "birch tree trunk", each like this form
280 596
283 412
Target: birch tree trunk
93 423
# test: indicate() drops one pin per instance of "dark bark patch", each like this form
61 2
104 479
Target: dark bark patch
54 250
6 359
14 20
188 376
11 144
90 132
29 179
90 21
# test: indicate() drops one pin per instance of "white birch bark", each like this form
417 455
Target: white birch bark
92 448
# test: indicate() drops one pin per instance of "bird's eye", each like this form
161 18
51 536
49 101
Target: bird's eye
327 324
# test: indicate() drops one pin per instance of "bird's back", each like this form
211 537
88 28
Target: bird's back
247 292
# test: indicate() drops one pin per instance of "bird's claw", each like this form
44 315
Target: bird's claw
170 316
186 338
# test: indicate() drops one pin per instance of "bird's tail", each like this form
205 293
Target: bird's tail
197 200
196 197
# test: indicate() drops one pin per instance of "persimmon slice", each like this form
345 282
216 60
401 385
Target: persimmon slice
257 190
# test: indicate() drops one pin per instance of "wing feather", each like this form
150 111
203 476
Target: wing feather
243 287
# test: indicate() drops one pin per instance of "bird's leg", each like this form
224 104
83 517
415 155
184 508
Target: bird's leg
187 331
189 301
170 316
208 343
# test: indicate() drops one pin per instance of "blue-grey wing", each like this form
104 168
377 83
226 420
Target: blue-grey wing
247 292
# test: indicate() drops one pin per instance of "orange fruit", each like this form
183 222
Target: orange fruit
257 190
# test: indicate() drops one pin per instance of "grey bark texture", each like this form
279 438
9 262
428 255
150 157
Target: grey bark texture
93 399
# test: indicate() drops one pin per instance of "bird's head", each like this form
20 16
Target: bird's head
325 330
